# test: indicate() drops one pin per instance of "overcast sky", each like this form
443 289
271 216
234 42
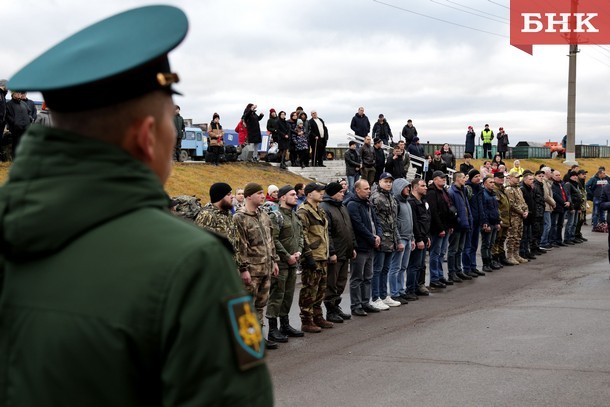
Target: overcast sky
336 55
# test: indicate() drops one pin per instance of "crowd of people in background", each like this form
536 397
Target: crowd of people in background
378 234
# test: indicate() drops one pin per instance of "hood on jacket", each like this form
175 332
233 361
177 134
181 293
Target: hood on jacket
62 185
397 187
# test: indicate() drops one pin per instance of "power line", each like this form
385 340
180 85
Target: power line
439 19
598 60
481 11
468 12
498 4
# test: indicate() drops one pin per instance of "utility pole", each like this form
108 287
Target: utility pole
570 155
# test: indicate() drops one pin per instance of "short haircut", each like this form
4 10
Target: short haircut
298 186
359 183
415 182
351 143
467 155
457 175
539 172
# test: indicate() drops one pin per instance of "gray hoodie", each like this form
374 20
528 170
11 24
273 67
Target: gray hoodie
405 216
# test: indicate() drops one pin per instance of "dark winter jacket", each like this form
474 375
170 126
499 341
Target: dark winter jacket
490 214
474 193
352 162
342 241
383 131
573 191
559 196
448 158
469 147
17 116
253 126
379 160
502 141
465 168
405 213
282 131
362 213
360 125
396 166
442 218
408 133
416 150
421 219
314 132
272 123
539 199
594 187
528 197
462 206
367 155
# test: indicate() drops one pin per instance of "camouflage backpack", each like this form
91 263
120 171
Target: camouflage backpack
187 207
274 213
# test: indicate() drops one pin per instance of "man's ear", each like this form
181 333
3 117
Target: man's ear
141 139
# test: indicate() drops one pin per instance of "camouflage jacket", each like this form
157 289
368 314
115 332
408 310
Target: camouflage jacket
503 205
517 202
315 231
255 248
287 235
387 211
218 221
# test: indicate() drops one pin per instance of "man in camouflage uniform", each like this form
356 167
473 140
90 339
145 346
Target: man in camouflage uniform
518 212
288 240
498 253
315 256
256 255
216 215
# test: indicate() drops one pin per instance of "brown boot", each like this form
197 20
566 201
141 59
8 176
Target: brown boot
309 327
321 322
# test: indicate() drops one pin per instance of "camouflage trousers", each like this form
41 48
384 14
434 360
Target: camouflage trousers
515 232
313 291
498 247
259 290
282 292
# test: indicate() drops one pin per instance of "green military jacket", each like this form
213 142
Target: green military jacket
287 235
106 299
516 200
315 231
255 247
503 205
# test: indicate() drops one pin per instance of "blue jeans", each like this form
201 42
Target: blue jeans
556 227
351 180
416 265
398 269
487 241
546 230
597 215
570 227
381 267
436 257
469 255
360 279
457 240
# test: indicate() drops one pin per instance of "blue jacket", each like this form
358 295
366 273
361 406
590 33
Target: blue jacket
490 211
460 201
475 198
360 125
359 210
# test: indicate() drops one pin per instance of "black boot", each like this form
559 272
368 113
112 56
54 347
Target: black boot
331 313
274 334
270 344
342 314
287 330
487 265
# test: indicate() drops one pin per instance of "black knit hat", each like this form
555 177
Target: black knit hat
473 173
218 191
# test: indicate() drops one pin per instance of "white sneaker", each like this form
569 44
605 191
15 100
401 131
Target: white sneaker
380 305
390 302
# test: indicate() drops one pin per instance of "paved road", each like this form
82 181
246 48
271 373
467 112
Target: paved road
530 335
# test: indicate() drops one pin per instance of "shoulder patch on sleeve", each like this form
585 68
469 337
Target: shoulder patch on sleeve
246 332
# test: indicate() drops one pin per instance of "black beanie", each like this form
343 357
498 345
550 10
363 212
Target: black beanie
218 191
473 173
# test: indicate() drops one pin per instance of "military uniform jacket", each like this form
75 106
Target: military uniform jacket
387 211
517 203
108 299
315 231
213 219
287 235
503 205
255 247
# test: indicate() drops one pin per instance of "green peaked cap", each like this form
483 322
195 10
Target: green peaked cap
111 61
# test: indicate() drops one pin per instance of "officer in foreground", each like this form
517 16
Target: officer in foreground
106 299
